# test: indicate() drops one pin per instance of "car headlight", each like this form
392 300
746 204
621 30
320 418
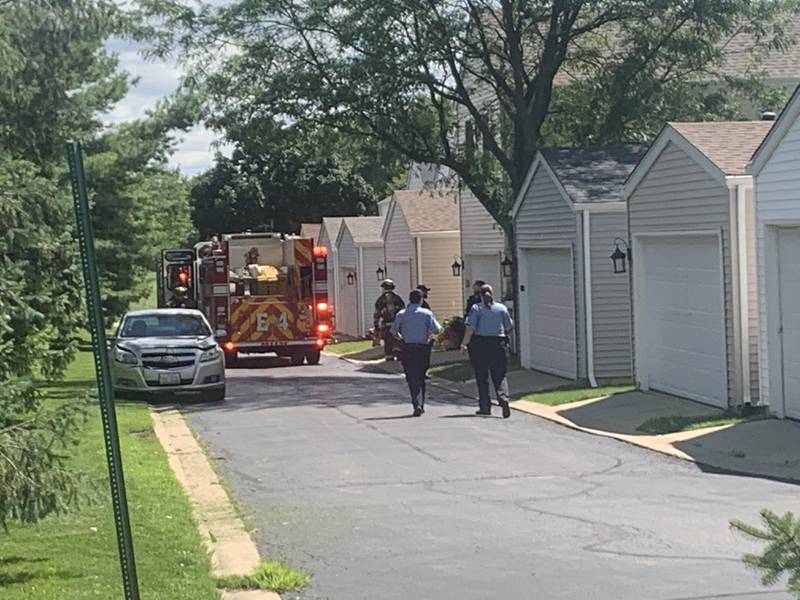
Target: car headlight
209 354
125 356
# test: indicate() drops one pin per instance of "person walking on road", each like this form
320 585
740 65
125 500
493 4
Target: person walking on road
476 296
425 289
487 325
387 306
414 326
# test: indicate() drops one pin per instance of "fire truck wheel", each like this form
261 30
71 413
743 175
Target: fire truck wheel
297 359
312 358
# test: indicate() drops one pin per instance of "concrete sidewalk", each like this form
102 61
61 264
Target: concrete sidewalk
762 448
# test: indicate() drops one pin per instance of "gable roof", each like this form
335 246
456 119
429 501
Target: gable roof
590 175
788 117
330 227
310 230
425 211
595 173
727 144
363 230
721 148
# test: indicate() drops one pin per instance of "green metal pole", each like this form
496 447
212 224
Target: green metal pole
108 412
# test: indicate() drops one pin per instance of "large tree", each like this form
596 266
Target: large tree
409 72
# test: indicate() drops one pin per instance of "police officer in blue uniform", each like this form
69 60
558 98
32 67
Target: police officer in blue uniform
413 326
487 323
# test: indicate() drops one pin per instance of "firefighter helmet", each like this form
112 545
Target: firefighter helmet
387 284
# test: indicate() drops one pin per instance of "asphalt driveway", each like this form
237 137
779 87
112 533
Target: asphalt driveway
338 480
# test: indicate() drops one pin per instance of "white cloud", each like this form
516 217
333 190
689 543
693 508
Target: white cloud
156 80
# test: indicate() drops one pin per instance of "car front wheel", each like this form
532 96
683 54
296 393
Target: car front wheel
217 395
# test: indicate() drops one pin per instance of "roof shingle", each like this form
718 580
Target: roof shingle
310 230
594 173
365 230
728 144
427 211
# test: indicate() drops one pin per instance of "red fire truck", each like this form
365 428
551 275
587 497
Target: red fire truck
264 292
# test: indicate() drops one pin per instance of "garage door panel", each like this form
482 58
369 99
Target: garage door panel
682 319
551 311
789 257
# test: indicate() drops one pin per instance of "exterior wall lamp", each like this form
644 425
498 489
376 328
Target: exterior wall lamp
380 273
507 264
351 279
620 257
457 266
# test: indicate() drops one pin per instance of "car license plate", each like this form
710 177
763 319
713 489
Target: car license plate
169 378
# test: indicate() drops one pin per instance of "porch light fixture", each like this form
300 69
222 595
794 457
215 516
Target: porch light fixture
380 273
507 263
619 257
351 279
457 266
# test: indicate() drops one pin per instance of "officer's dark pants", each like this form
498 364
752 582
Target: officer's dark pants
415 360
488 358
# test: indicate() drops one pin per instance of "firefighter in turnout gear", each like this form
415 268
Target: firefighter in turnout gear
387 306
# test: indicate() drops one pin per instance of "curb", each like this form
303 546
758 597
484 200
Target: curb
231 549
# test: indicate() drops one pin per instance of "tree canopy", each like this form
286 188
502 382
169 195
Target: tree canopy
412 73
56 80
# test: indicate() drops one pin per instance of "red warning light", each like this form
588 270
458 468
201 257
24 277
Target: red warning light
320 251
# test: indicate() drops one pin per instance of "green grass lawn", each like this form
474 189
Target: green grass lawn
565 396
674 424
75 556
151 300
342 348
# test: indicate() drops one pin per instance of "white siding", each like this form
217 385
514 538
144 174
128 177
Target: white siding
777 201
398 246
752 297
480 233
611 299
445 295
545 219
677 195
347 250
372 256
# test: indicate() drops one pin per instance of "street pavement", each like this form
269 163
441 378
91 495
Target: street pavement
337 479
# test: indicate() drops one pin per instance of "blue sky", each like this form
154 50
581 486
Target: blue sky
156 80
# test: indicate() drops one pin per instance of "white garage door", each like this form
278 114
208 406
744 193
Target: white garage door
789 256
680 326
551 312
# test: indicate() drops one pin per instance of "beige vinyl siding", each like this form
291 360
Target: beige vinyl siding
347 250
545 219
437 256
678 195
611 299
777 200
372 256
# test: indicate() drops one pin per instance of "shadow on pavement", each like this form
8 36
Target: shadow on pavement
767 448
623 413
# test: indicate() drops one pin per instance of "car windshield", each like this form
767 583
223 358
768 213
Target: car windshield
154 325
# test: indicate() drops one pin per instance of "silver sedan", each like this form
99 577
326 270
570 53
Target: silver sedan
167 351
